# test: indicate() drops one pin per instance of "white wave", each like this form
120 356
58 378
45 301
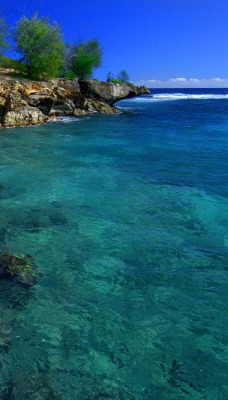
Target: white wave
124 108
67 119
180 96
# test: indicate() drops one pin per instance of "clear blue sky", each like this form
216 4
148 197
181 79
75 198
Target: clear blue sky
159 42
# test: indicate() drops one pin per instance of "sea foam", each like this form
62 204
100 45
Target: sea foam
180 96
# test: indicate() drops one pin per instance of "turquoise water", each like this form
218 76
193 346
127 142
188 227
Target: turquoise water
126 217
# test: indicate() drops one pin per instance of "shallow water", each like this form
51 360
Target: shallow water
126 216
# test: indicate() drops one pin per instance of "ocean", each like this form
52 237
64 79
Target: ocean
126 218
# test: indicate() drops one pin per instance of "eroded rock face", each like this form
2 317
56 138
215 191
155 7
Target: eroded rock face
17 112
62 107
110 92
41 101
91 105
27 102
25 115
2 103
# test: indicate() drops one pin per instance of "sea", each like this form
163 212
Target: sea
126 218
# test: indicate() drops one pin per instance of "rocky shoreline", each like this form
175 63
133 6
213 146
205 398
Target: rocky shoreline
25 103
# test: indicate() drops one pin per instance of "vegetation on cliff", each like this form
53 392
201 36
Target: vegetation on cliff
122 77
40 45
3 36
43 53
83 58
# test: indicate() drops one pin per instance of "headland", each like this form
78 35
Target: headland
25 102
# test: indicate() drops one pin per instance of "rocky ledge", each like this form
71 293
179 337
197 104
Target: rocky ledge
28 102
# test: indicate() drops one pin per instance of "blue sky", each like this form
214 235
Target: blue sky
161 43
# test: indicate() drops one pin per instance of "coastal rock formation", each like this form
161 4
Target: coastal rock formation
108 92
24 116
16 111
28 102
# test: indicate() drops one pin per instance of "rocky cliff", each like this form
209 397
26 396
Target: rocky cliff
29 102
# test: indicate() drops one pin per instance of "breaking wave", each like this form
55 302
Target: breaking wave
180 96
68 119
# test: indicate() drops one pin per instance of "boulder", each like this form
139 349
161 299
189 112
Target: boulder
17 112
14 102
33 87
23 116
78 112
92 106
62 107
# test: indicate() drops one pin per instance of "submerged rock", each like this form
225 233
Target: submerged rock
14 295
34 384
58 219
19 268
5 331
3 233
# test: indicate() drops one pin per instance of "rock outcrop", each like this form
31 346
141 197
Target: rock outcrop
108 92
28 102
16 111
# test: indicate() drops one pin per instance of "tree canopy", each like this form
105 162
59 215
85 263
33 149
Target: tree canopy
40 45
43 54
121 77
85 57
3 36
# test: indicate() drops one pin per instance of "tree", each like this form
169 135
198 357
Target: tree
85 57
123 76
40 45
3 36
110 77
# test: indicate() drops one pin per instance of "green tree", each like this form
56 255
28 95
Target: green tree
3 36
40 45
110 77
123 76
85 57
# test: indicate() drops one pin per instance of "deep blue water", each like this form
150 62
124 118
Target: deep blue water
126 217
